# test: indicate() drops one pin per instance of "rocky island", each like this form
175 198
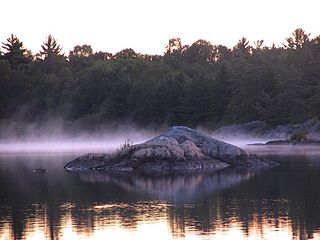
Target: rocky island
179 149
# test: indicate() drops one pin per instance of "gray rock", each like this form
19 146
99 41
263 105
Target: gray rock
315 128
307 131
313 136
279 132
314 132
178 149
249 129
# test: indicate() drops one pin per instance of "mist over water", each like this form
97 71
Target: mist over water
51 136
242 142
249 144
106 144
55 140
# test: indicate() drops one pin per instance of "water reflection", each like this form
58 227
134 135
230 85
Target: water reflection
98 224
177 188
280 203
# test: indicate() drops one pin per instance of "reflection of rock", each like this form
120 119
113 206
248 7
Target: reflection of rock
181 187
178 149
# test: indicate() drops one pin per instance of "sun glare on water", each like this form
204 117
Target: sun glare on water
157 229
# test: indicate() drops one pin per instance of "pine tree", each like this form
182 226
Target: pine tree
243 47
16 54
50 48
51 55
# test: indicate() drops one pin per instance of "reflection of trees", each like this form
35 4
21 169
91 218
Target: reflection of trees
284 197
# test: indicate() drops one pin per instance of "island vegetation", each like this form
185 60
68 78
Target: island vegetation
198 84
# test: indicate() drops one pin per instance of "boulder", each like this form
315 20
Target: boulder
179 149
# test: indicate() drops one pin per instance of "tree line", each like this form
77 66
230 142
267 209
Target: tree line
197 84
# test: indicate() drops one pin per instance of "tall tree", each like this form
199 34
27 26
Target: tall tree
51 55
243 46
102 55
127 53
290 98
16 54
298 39
258 44
222 53
81 57
315 43
221 93
81 51
173 45
50 48
200 51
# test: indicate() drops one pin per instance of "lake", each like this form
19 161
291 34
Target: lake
278 203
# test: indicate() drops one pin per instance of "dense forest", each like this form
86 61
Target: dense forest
197 85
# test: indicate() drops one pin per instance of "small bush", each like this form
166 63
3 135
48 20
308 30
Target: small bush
127 143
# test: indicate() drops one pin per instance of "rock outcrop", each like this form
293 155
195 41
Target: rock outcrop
308 131
249 129
179 149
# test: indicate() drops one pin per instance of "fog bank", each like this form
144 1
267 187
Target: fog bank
53 138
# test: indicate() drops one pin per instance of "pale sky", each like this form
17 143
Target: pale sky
147 25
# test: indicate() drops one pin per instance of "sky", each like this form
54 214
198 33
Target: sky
147 25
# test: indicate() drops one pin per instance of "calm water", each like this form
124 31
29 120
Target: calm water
279 203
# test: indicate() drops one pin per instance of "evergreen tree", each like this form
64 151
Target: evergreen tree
52 59
50 48
243 47
16 54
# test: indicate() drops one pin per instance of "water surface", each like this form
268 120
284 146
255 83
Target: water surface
279 203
